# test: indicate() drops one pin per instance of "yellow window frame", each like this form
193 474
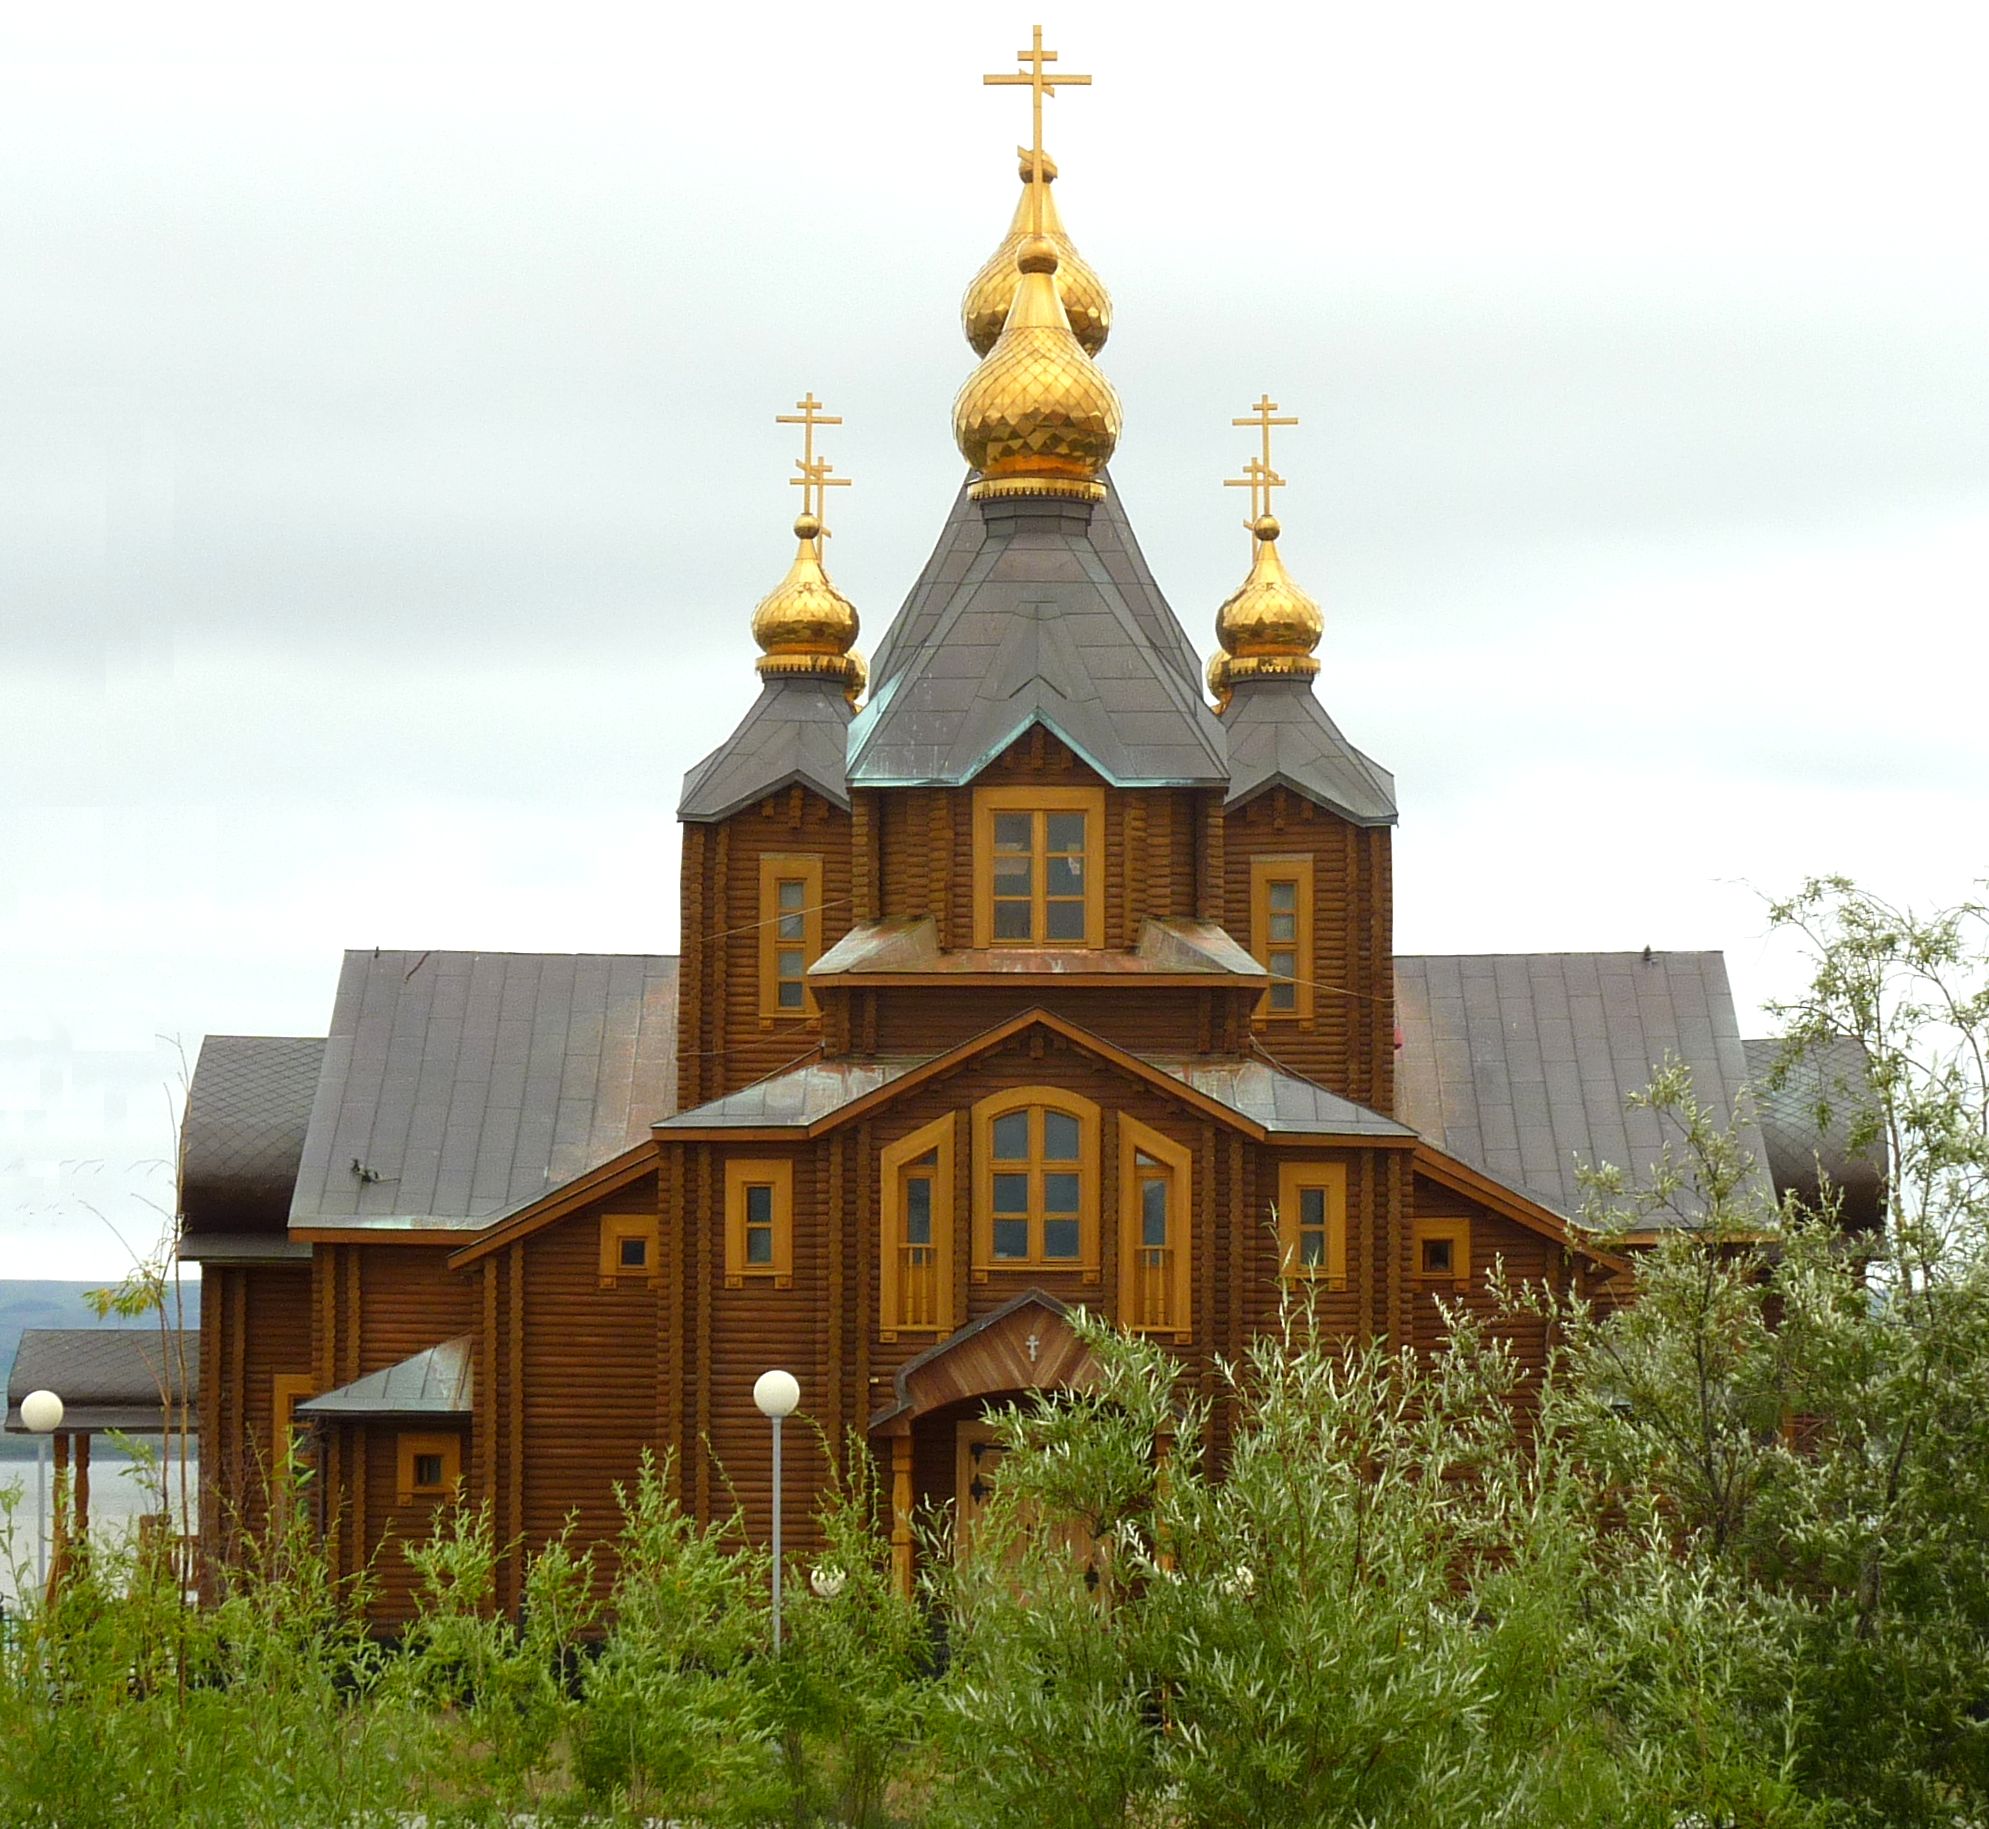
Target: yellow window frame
1050 1098
286 1391
618 1226
988 801
1294 1180
740 1175
1264 872
893 1279
410 1449
1458 1233
1137 1284
777 867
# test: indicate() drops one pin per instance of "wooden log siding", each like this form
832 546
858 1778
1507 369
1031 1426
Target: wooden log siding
582 1393
407 1300
255 1324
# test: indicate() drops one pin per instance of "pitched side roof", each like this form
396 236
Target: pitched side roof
247 1110
1520 1064
107 1377
1281 1103
796 731
462 1084
437 1381
1280 736
1036 630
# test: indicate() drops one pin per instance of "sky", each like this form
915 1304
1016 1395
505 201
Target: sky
388 468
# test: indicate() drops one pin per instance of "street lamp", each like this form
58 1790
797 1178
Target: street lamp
41 1412
776 1393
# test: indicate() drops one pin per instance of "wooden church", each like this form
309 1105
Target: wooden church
1022 980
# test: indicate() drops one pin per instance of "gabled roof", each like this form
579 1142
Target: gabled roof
437 1381
247 1110
462 1084
1036 629
796 731
1520 1064
107 1377
908 947
1280 736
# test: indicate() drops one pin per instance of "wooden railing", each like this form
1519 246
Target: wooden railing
918 1286
1153 1288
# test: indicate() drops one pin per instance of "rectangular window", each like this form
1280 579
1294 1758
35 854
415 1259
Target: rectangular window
790 934
1443 1252
1281 918
1038 857
1036 1153
916 1265
1312 1222
290 1440
430 1467
628 1248
759 1223
1156 1180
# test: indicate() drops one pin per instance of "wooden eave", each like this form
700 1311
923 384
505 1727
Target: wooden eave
631 1165
1508 1203
378 1235
1156 1077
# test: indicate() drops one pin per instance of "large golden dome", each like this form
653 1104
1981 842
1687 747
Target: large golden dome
984 310
1269 626
1037 417
804 624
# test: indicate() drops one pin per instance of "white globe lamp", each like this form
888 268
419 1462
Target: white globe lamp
776 1392
41 1413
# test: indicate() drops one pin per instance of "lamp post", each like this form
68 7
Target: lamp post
41 1411
776 1393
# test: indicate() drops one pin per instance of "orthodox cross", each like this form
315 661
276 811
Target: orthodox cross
1035 1345
1264 416
1041 83
1260 481
815 478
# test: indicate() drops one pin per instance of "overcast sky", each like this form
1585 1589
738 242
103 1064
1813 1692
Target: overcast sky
388 474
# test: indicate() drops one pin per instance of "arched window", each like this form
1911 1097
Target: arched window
1035 1181
915 1267
1156 1183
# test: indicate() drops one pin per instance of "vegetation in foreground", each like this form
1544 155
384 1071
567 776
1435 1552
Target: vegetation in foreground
1727 1564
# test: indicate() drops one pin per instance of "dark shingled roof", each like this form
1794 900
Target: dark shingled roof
1519 1063
963 536
1832 1078
466 1083
437 1381
797 730
107 1377
1280 736
246 1113
1038 629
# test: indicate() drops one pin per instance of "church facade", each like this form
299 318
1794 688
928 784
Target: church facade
1016 978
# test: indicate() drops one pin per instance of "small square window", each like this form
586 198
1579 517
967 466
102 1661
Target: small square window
1436 1256
634 1254
427 1472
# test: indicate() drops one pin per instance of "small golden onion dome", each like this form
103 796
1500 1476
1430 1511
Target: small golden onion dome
984 310
859 677
1037 417
1270 626
804 624
1219 688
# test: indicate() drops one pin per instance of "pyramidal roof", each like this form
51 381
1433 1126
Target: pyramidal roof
1036 610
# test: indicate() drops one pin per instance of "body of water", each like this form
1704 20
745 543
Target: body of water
118 1498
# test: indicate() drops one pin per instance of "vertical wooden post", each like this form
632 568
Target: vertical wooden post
83 1487
901 1515
58 1549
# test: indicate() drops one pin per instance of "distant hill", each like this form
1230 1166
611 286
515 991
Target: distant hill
31 1304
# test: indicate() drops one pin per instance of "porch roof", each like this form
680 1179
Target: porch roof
123 1378
437 1381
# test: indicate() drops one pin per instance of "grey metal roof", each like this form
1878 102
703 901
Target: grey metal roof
901 945
1520 1063
107 1377
198 1247
801 1096
797 730
246 1113
1280 1102
1036 630
463 1084
437 1381
1280 736
1808 1120
961 538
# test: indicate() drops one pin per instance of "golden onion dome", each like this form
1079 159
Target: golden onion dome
1219 687
858 678
1270 626
804 624
984 310
1038 416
